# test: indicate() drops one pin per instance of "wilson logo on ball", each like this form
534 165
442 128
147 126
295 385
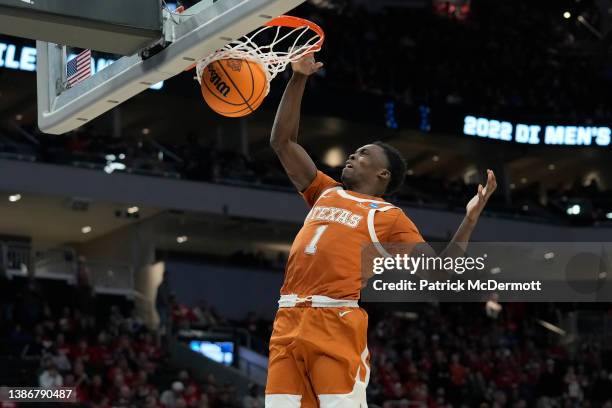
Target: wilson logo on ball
235 64
221 86
233 87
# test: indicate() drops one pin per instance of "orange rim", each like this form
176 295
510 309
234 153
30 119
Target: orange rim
296 22
292 22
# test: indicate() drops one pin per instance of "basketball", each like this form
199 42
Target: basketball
233 87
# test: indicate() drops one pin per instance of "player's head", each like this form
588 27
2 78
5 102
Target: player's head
377 167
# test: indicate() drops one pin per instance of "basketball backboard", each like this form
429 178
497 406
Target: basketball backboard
187 38
113 26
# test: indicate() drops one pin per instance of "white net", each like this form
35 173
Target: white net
286 39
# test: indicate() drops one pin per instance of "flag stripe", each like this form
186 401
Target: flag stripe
78 68
82 76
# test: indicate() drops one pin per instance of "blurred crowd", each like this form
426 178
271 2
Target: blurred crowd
512 58
530 201
469 355
422 355
457 356
110 357
177 317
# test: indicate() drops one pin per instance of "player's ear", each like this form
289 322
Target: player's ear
384 174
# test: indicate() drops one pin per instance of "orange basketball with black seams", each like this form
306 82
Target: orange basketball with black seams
233 87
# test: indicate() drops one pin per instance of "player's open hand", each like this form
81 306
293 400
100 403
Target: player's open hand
306 65
476 205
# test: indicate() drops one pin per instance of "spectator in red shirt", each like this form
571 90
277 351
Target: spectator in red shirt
96 389
191 396
100 353
149 346
81 351
124 399
61 345
457 371
4 403
117 383
81 379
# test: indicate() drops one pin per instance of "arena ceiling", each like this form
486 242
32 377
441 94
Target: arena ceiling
53 221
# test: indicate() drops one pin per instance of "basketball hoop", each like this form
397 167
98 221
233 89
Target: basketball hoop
296 36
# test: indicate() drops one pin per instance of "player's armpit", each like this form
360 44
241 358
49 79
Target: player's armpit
407 239
403 230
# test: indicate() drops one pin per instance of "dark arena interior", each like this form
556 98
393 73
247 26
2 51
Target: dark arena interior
143 252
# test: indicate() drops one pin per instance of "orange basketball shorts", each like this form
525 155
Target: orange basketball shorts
318 358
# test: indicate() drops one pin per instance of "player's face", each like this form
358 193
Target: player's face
364 166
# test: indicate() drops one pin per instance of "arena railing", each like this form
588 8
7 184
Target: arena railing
56 263
62 263
16 258
111 278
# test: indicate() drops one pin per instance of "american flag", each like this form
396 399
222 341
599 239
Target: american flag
78 68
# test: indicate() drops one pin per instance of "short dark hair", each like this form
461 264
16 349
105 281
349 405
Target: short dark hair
397 166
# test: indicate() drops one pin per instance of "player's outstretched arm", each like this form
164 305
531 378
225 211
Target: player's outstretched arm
297 163
458 244
473 209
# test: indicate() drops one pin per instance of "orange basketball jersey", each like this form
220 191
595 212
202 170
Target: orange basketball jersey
325 258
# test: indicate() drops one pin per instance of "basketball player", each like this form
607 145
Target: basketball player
318 351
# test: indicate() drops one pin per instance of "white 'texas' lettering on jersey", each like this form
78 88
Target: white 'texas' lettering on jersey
333 214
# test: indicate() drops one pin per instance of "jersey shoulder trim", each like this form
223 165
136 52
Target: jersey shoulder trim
345 194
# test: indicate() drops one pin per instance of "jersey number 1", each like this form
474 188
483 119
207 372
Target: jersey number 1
311 248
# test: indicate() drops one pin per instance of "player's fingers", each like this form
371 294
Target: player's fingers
491 177
307 57
489 186
491 182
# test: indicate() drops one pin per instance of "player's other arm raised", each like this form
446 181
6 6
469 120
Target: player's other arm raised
473 209
297 163
458 244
